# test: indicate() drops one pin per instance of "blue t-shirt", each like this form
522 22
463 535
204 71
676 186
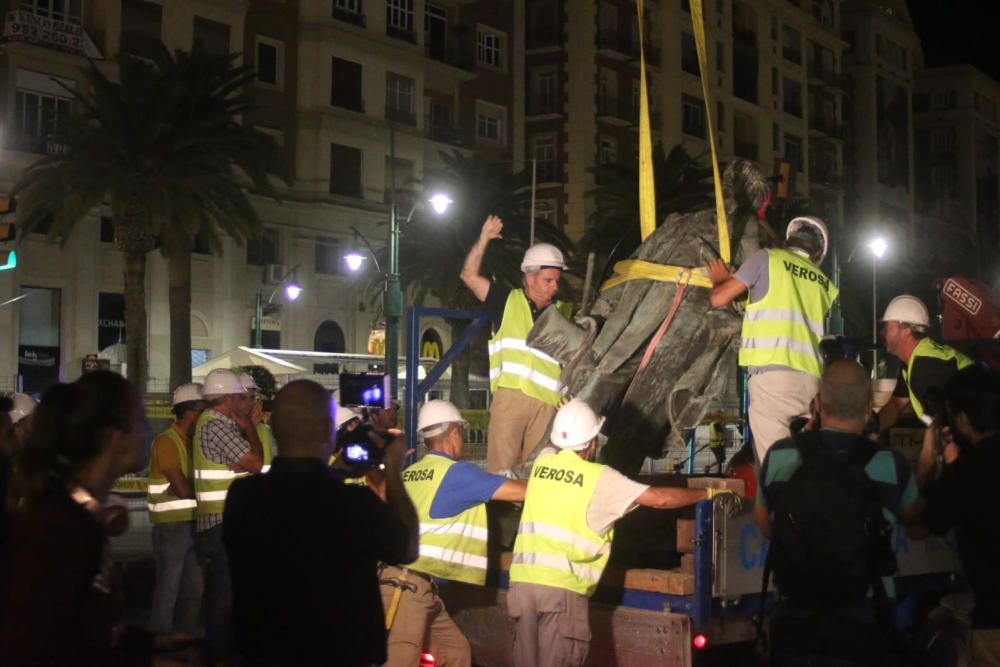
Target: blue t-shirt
464 486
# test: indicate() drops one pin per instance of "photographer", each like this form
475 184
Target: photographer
303 547
956 472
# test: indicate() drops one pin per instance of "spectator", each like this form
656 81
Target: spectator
834 598
966 497
383 419
304 547
177 596
450 497
57 602
564 539
226 446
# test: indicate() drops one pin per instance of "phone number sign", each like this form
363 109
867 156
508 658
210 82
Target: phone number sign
44 31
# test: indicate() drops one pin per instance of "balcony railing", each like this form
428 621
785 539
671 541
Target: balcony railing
824 74
543 37
542 106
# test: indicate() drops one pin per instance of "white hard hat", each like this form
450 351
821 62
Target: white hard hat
575 426
191 391
435 416
248 382
817 225
542 255
220 382
24 405
345 415
907 309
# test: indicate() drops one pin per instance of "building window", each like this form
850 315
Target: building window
270 61
945 101
70 11
942 179
349 11
775 137
942 139
345 84
720 117
345 170
693 116
399 20
607 150
689 54
791 44
199 356
212 37
489 47
490 122
264 249
107 228
544 90
39 118
544 151
436 32
327 256
793 151
399 99
793 98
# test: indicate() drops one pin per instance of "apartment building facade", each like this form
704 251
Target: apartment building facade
361 95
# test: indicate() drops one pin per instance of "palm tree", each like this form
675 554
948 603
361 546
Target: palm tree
432 250
681 184
164 147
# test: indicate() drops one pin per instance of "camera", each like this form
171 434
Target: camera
369 390
361 449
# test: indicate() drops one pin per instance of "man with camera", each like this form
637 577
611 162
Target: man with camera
450 498
304 547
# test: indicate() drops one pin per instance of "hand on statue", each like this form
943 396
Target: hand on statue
492 229
718 271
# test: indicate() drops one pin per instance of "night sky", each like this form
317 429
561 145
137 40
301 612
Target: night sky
954 32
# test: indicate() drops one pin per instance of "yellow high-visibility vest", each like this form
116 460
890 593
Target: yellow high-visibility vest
164 506
513 364
211 479
452 548
267 445
785 327
929 349
555 546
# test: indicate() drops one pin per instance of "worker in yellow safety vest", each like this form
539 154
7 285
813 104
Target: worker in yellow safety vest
177 597
926 364
263 429
525 382
564 538
790 297
449 496
226 446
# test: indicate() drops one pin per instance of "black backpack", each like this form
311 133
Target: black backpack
830 542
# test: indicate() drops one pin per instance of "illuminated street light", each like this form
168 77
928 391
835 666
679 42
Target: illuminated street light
878 246
354 259
439 202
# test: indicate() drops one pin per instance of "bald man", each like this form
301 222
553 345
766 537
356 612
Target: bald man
303 547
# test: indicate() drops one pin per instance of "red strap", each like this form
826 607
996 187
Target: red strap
655 340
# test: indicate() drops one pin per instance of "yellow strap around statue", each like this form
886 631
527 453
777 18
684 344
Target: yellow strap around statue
633 269
698 19
647 188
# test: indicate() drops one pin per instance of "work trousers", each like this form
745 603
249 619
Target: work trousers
518 425
420 620
776 398
218 592
551 626
177 596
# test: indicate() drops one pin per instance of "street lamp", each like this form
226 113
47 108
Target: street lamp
292 292
393 296
878 247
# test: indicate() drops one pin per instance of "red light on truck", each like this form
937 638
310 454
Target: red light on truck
700 641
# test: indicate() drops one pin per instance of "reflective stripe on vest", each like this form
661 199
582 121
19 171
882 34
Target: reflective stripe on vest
266 445
452 548
211 479
165 507
785 327
931 350
555 546
513 364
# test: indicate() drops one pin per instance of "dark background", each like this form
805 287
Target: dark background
954 32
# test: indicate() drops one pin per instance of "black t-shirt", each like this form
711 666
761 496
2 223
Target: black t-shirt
496 301
928 373
967 497
303 551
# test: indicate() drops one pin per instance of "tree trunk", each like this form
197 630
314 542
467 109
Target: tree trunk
460 367
179 278
135 318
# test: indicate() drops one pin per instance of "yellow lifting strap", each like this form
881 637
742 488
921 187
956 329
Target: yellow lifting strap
632 269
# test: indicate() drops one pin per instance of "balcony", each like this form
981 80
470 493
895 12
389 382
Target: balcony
745 36
616 112
819 73
402 116
450 54
614 41
826 178
41 145
444 134
548 172
349 103
544 37
347 16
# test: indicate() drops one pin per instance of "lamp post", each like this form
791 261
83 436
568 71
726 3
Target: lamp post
878 247
292 292
392 296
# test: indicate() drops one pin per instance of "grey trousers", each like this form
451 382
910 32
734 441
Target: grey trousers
551 626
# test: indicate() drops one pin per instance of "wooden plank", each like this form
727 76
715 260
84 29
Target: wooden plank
687 563
735 485
671 582
685 535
